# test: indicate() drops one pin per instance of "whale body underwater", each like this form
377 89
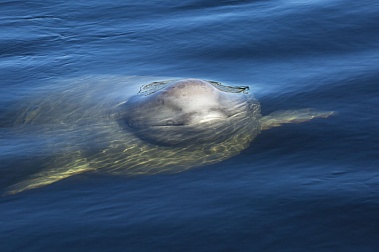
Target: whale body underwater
168 126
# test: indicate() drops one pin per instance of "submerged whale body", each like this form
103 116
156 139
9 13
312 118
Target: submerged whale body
168 126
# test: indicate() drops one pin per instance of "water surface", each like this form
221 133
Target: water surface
300 187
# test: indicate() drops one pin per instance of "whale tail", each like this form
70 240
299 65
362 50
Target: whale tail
281 117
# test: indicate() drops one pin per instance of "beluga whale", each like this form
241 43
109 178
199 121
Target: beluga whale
164 127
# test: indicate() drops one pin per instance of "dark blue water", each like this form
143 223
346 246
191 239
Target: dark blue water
300 187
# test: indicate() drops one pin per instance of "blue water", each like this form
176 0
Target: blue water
300 187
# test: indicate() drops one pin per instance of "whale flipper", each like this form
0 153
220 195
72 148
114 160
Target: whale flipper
281 117
48 177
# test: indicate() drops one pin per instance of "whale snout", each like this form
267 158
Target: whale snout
207 116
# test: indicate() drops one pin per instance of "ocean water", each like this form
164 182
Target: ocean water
300 187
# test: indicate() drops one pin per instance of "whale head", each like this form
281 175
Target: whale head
189 110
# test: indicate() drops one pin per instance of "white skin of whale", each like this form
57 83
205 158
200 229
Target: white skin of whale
186 123
188 110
